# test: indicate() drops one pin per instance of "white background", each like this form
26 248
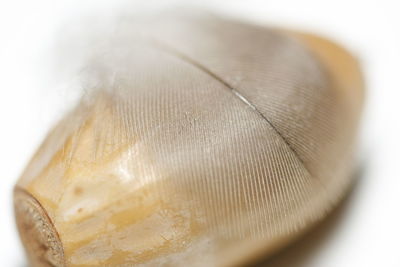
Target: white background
364 231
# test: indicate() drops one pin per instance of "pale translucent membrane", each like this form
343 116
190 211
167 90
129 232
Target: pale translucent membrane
203 141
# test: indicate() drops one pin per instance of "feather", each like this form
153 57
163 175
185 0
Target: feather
201 140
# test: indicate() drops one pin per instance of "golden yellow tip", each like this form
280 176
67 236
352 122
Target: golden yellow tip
39 236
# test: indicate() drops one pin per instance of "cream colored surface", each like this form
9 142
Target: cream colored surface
203 141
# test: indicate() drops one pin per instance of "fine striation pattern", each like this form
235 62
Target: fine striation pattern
199 140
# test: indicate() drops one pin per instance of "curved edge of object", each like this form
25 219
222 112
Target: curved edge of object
346 73
340 64
40 238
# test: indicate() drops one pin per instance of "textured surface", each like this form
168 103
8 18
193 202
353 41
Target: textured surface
199 139
38 233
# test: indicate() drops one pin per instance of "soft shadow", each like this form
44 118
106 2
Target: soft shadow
302 251
21 263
